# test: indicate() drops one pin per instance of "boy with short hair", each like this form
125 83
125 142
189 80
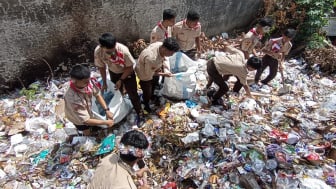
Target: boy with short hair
187 33
220 67
275 51
163 29
78 100
116 170
253 37
117 57
150 63
160 32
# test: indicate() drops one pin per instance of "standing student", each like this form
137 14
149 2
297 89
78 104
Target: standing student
161 31
275 51
78 101
117 57
187 33
150 63
220 67
253 37
163 28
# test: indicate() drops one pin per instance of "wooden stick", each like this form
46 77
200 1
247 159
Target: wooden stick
260 94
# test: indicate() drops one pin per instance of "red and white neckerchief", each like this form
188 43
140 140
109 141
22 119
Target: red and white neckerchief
276 46
88 89
118 59
255 33
163 29
194 28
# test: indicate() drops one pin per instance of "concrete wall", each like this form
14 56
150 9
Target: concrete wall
39 33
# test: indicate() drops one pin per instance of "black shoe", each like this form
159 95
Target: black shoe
211 92
139 120
217 102
147 108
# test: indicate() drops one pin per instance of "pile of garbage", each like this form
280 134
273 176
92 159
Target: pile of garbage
322 59
269 141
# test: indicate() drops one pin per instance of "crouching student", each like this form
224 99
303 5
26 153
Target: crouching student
78 101
116 170
275 51
253 37
150 63
220 67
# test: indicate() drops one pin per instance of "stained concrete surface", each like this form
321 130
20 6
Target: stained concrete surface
36 34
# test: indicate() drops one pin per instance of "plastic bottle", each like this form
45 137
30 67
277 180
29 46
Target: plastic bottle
258 166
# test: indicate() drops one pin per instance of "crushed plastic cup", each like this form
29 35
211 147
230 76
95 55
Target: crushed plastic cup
292 138
271 164
191 137
208 130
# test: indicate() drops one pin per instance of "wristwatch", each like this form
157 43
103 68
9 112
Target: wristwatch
106 109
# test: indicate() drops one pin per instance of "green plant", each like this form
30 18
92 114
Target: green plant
31 91
316 12
308 17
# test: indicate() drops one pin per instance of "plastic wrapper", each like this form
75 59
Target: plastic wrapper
107 145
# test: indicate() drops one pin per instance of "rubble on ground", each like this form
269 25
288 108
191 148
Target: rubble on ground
270 141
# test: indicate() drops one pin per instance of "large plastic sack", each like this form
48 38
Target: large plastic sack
119 105
180 86
180 62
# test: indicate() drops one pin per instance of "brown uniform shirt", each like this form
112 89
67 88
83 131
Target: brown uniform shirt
251 39
185 36
78 106
112 173
149 61
101 59
277 45
159 33
232 64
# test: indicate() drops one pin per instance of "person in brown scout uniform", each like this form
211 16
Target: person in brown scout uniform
120 63
160 32
275 51
253 37
220 67
116 171
78 100
163 28
149 64
187 33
